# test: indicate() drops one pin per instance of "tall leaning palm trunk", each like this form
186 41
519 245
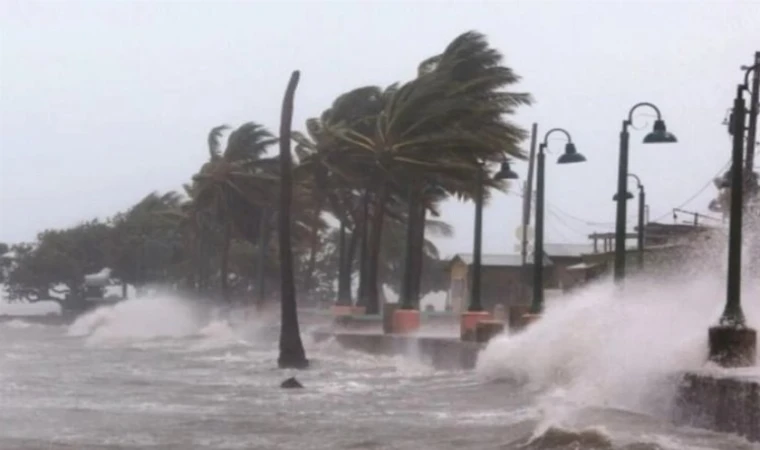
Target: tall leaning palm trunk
292 354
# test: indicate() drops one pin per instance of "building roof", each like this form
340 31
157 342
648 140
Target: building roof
499 260
567 250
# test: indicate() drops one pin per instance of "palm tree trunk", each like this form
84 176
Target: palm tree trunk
363 250
262 255
344 267
313 243
292 354
224 265
201 262
419 246
353 244
407 300
375 242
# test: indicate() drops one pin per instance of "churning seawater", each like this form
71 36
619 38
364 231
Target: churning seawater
156 373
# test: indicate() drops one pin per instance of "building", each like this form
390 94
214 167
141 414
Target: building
504 279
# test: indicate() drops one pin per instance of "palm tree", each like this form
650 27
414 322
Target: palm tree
436 130
292 354
325 164
235 183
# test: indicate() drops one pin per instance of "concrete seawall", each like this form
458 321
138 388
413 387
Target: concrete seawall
727 402
447 353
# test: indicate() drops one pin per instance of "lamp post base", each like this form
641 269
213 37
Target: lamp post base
469 322
733 346
405 321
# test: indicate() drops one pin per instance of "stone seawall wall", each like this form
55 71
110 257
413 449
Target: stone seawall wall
724 403
441 353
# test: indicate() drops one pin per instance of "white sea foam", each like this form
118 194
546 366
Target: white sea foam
615 348
139 319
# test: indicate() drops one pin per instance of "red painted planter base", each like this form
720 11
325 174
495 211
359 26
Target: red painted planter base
406 321
469 321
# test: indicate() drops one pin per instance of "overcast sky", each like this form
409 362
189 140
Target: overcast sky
103 102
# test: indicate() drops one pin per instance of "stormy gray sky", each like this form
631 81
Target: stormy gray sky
103 102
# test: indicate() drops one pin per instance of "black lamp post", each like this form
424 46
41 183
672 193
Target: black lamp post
732 343
571 155
505 173
658 135
642 209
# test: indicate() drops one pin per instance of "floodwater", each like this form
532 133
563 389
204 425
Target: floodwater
156 374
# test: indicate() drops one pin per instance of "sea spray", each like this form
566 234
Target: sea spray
619 348
142 318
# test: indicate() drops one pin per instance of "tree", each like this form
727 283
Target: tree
437 130
59 261
234 185
292 354
146 244
5 262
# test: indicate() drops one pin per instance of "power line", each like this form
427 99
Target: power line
571 228
558 210
584 221
697 194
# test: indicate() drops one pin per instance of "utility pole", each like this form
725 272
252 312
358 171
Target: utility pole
527 198
528 194
753 111
752 195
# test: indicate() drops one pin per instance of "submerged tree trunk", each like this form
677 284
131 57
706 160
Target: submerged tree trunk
344 267
373 253
363 250
224 265
292 354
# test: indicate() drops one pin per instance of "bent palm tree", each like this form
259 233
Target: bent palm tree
233 184
436 130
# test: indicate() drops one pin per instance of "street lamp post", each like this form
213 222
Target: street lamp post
571 155
658 135
475 312
731 342
641 221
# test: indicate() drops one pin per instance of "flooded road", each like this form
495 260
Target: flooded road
119 379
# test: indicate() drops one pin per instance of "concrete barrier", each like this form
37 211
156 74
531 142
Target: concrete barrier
441 353
728 403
